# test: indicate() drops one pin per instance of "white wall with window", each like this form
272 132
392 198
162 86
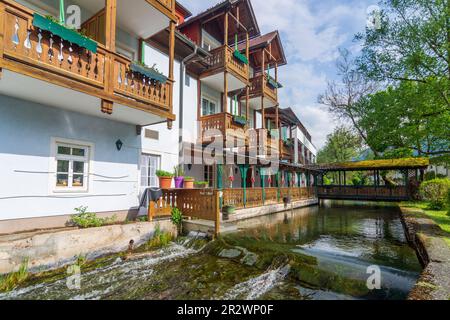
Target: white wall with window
55 161
209 42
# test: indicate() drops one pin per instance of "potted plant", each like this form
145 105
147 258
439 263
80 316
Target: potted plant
189 182
179 177
165 179
201 184
240 120
177 219
227 211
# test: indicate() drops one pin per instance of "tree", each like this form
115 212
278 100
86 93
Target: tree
411 45
342 145
342 99
399 119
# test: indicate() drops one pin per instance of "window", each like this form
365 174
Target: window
208 41
187 80
149 165
72 167
209 175
208 107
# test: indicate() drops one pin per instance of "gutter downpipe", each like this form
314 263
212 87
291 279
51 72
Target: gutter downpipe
181 103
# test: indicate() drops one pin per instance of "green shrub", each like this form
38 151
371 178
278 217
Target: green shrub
176 216
448 201
164 174
160 239
84 219
13 280
435 191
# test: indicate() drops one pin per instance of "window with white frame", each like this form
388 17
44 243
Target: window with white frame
149 165
72 167
208 106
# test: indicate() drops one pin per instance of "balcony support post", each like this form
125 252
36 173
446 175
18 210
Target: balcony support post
225 91
111 18
225 29
110 43
262 95
2 35
171 61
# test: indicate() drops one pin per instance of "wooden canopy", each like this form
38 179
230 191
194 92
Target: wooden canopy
369 165
273 49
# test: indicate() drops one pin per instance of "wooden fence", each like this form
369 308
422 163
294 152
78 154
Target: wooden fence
194 203
258 197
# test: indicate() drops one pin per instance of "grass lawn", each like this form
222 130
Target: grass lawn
440 217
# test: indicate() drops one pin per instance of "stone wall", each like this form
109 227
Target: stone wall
426 236
51 250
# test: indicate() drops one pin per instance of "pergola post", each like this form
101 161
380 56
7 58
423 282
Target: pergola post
244 170
263 184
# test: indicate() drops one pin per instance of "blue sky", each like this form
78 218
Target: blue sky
312 31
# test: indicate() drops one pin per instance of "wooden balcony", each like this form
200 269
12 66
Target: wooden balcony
166 7
105 75
262 143
222 60
222 125
259 86
286 152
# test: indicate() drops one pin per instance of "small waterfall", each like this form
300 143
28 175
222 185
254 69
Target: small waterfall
257 287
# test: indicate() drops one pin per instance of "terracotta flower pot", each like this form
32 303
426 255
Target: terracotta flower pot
189 184
165 182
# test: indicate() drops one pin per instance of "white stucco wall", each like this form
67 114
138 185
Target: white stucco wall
26 132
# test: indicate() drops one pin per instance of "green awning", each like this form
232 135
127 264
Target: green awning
64 33
148 72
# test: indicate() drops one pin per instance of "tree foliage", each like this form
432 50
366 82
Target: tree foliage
341 146
412 45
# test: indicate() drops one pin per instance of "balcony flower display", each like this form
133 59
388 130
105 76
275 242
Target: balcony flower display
240 120
149 72
51 25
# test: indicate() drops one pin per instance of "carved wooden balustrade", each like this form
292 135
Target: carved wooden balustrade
31 51
222 59
259 86
222 125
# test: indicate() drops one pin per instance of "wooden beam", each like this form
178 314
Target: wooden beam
107 106
171 61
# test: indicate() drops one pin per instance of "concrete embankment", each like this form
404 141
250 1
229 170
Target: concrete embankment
50 250
426 236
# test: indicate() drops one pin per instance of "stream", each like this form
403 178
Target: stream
325 253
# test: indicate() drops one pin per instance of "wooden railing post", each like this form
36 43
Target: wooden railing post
217 211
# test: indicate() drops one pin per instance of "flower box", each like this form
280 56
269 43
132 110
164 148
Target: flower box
240 57
148 72
240 120
64 33
274 84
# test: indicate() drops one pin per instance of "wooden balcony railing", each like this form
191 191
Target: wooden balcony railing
386 193
221 124
286 152
258 197
259 86
222 59
133 85
269 146
28 50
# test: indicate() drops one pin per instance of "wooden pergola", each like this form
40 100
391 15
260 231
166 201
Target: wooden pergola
411 169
